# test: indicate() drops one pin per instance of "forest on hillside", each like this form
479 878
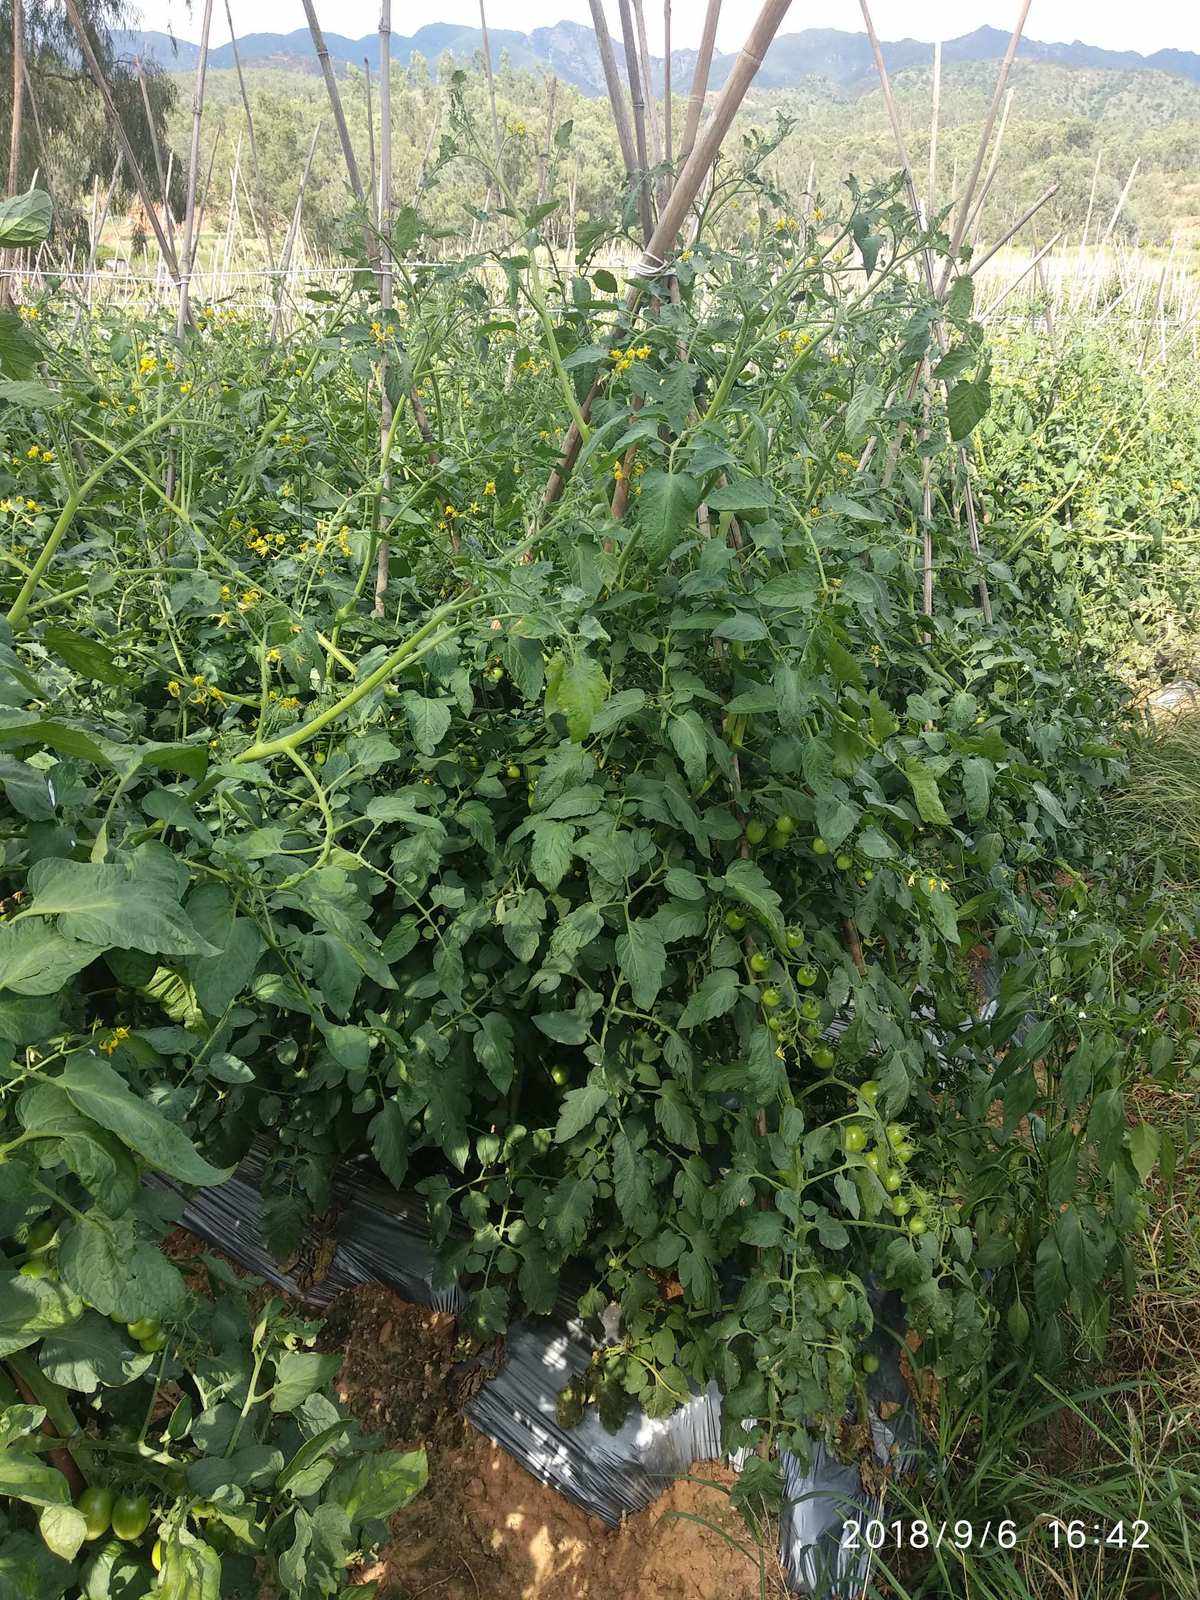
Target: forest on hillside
1067 126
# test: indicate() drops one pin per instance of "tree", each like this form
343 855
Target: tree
61 132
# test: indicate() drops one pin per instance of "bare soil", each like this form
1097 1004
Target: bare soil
484 1529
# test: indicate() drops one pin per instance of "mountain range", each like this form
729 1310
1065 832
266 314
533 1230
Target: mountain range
569 49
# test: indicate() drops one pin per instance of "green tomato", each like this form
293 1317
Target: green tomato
775 1023
143 1328
771 998
869 1091
96 1503
496 674
820 848
835 1289
513 770
795 939
735 921
901 1205
777 840
823 1057
130 1516
905 1152
854 1138
153 1344
874 1159
806 976
156 1555
870 1363
756 831
40 1267
810 1009
759 962
559 1075
891 1180
896 1135
785 825
917 1225
844 862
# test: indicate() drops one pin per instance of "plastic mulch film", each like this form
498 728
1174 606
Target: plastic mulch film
382 1238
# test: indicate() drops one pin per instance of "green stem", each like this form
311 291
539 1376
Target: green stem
66 517
426 638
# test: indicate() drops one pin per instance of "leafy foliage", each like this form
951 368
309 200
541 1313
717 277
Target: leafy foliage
623 886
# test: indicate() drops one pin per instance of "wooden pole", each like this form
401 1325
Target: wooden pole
1016 228
383 555
189 216
491 82
260 206
335 99
163 180
668 109
934 120
638 102
18 93
687 185
616 95
990 177
1121 199
43 148
544 157
97 75
191 239
704 55
639 17
963 209
289 243
373 188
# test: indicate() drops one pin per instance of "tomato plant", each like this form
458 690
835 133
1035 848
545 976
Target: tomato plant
698 800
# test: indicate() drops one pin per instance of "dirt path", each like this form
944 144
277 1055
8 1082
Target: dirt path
485 1529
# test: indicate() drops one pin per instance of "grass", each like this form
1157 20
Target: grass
1124 1446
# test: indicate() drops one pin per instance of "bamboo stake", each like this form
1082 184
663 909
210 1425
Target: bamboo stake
434 128
963 210
993 164
638 102
934 121
11 257
938 293
639 17
335 99
383 554
687 185
202 208
263 209
616 95
18 93
544 156
668 108
704 55
189 216
1087 221
373 189
101 82
289 243
1042 199
1120 205
491 82
1020 278
43 149
156 147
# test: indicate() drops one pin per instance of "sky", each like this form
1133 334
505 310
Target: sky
1147 26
